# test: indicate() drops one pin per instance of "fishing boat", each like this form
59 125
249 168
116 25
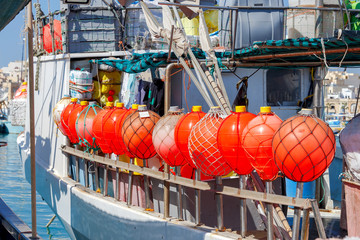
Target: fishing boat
257 47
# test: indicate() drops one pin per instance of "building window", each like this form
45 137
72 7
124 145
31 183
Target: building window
283 87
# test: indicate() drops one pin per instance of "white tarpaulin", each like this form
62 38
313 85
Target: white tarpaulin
350 145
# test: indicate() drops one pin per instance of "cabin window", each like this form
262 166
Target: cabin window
283 87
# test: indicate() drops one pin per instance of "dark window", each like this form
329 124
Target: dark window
283 87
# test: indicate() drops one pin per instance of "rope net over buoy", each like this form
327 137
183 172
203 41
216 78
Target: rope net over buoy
203 146
304 147
137 132
164 138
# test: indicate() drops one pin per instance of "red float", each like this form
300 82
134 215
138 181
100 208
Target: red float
64 125
47 39
183 129
99 124
256 140
304 147
73 117
84 124
203 144
137 132
58 109
21 92
229 140
118 128
164 140
109 128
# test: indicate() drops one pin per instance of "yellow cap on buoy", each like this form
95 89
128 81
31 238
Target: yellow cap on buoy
119 104
23 90
266 109
24 83
84 103
196 108
240 109
135 106
74 99
215 107
109 104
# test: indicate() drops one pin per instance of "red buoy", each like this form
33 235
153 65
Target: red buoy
164 139
118 128
116 115
64 125
137 132
84 124
47 38
99 123
183 129
304 147
256 140
203 144
229 140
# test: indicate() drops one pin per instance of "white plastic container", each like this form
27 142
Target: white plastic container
81 84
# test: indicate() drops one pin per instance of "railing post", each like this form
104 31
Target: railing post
197 199
243 215
297 216
129 195
219 206
269 215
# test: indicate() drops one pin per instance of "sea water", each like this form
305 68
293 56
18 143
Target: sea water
15 191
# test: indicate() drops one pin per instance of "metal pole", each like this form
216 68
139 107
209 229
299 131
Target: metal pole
52 33
130 182
234 37
319 19
357 101
270 216
180 193
305 225
105 185
97 185
219 206
197 199
117 183
297 216
166 192
86 170
146 188
243 216
318 220
32 120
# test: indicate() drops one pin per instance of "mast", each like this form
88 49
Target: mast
32 125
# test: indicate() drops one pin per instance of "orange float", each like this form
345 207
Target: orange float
58 109
99 124
21 92
72 120
116 115
64 125
137 132
203 144
84 124
164 139
47 39
183 129
256 140
229 140
118 129
304 147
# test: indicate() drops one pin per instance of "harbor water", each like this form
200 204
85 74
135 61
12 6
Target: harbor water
15 191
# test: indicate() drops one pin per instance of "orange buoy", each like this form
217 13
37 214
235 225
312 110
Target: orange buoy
99 123
164 139
304 147
203 144
116 115
73 117
118 129
47 39
64 125
59 107
183 129
137 132
84 124
256 140
229 140
21 92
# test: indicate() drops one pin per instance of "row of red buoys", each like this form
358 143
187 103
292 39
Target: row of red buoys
301 147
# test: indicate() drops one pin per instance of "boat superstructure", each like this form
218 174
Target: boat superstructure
88 191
